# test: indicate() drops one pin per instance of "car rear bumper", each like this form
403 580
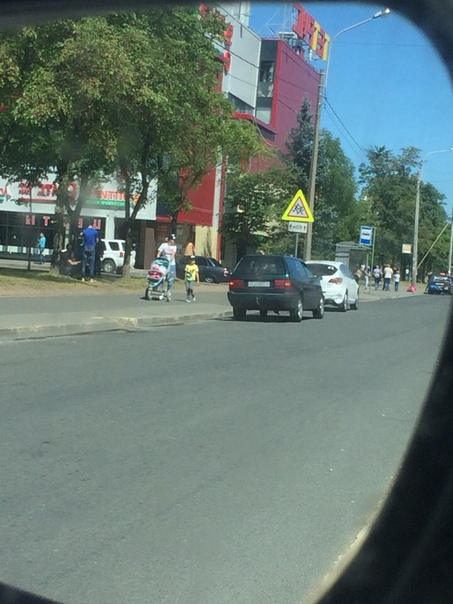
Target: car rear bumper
263 301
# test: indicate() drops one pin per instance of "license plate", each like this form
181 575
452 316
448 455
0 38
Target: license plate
259 283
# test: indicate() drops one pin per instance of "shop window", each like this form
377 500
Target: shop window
267 71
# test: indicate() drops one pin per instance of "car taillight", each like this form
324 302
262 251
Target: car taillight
336 281
236 283
121 254
282 284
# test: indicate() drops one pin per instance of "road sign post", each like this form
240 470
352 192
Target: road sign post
366 235
298 215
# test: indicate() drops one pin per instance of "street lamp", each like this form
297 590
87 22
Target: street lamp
417 216
378 15
314 156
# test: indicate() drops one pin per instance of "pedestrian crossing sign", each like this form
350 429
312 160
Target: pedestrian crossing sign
298 210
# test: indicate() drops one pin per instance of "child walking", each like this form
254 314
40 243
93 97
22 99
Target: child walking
192 276
396 279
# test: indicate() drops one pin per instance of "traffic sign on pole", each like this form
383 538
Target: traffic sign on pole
298 210
297 227
366 235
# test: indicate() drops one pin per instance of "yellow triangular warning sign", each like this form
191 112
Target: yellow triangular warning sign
298 210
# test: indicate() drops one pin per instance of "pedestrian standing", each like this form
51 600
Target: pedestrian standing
388 274
396 279
192 276
168 250
189 248
41 247
407 273
98 253
377 276
90 239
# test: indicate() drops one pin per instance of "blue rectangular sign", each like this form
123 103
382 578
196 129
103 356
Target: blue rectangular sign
366 235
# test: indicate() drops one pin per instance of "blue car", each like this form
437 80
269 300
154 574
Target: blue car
439 284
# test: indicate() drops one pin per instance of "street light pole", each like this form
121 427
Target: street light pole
378 15
417 216
314 154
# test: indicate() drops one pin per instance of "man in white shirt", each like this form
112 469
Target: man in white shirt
388 274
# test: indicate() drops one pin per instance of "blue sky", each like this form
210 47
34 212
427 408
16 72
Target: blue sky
386 84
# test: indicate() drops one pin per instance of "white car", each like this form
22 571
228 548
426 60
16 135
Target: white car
113 256
338 284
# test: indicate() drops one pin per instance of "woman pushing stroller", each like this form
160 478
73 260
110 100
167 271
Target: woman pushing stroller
168 250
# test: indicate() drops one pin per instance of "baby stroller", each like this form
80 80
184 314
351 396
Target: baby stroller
158 282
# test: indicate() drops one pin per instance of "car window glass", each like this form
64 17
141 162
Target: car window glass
322 270
307 270
256 265
201 261
214 262
294 267
114 246
346 272
303 271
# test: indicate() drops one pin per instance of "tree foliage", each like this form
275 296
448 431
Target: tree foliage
389 183
136 94
252 201
336 211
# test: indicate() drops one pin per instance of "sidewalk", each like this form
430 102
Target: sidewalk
39 316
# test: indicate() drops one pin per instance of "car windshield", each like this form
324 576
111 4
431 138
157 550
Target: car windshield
322 270
215 262
261 265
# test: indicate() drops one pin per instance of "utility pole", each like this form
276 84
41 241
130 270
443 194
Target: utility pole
314 166
451 242
314 157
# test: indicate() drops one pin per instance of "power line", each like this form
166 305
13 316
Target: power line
362 151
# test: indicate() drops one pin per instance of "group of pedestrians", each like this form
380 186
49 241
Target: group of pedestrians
389 275
85 257
168 250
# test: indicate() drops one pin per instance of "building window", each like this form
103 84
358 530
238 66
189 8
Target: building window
241 106
267 71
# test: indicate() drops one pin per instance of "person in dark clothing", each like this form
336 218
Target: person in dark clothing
70 266
90 239
99 252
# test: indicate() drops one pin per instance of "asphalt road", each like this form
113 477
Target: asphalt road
210 463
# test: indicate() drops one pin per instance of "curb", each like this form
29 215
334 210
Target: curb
104 325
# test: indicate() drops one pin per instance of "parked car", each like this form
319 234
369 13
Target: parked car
340 288
113 256
211 271
439 284
274 283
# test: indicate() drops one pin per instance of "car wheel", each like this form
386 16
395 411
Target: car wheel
263 314
318 313
239 314
355 305
296 313
147 293
209 279
344 306
109 266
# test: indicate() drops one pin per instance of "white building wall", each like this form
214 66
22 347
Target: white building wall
242 78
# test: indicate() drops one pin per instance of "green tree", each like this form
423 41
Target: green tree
56 82
251 202
389 185
336 208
